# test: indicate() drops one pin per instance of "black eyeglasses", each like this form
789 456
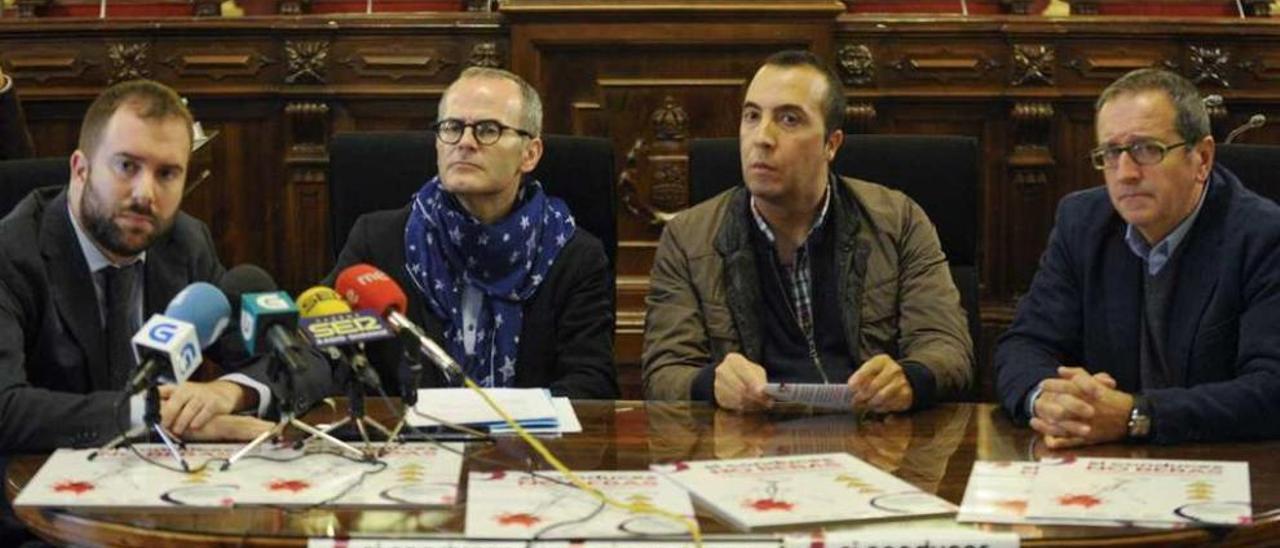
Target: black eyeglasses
1145 153
487 132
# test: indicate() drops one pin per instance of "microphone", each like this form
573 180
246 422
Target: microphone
267 317
205 306
194 319
245 278
330 325
267 323
1255 121
368 288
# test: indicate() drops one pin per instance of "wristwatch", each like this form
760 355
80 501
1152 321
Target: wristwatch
1140 419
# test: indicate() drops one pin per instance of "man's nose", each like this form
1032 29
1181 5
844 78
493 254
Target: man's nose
144 187
764 134
1127 169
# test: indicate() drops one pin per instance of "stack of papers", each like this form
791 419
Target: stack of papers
533 408
1109 492
416 474
768 492
510 504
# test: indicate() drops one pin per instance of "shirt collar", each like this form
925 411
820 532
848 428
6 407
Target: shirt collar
92 255
820 220
1157 256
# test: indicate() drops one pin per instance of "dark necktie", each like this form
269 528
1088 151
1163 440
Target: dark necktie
119 289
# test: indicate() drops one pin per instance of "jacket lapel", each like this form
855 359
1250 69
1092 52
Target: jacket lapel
1121 274
1195 282
166 275
71 288
741 282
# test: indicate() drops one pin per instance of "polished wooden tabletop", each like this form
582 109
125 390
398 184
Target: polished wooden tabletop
934 450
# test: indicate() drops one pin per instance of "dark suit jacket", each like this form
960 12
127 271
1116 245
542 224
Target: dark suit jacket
1223 342
15 140
53 362
566 341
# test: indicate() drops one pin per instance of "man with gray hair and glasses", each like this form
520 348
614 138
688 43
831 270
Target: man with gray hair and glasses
1154 313
494 268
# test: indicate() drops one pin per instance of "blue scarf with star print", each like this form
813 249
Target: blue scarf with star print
446 250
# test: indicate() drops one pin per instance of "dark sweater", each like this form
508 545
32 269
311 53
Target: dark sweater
566 340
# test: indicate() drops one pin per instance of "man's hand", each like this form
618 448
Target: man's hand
740 384
881 386
1081 409
229 428
191 405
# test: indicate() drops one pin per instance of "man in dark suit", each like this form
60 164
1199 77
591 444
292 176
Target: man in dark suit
82 267
1154 314
15 140
494 268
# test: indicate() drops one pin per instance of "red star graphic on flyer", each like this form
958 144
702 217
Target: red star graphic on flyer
73 486
518 518
769 505
1083 501
294 486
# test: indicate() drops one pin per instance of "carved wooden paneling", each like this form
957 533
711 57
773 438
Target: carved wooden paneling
308 61
229 61
397 62
942 63
1260 63
1100 63
41 63
1033 64
649 80
1209 66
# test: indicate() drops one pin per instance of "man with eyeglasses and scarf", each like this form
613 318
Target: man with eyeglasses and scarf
1153 316
495 269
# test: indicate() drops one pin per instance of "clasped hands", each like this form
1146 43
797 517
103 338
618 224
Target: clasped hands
879 385
1077 409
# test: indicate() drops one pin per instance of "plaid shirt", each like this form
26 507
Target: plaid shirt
797 276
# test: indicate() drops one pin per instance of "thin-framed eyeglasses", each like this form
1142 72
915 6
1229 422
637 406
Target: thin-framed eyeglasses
1145 153
487 132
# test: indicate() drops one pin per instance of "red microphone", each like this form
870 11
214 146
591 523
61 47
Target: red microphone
367 288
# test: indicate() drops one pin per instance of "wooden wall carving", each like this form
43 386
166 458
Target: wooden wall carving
648 80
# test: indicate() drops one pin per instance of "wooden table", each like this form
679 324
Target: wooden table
933 450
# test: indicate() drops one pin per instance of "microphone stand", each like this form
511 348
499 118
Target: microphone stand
150 421
288 417
408 393
355 405
1256 121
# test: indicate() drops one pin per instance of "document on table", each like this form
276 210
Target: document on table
531 407
825 396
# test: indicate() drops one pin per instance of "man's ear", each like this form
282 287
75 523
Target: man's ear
1205 151
833 144
531 155
79 169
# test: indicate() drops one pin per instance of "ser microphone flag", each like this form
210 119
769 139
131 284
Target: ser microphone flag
367 288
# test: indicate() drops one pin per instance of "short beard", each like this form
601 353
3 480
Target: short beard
99 222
